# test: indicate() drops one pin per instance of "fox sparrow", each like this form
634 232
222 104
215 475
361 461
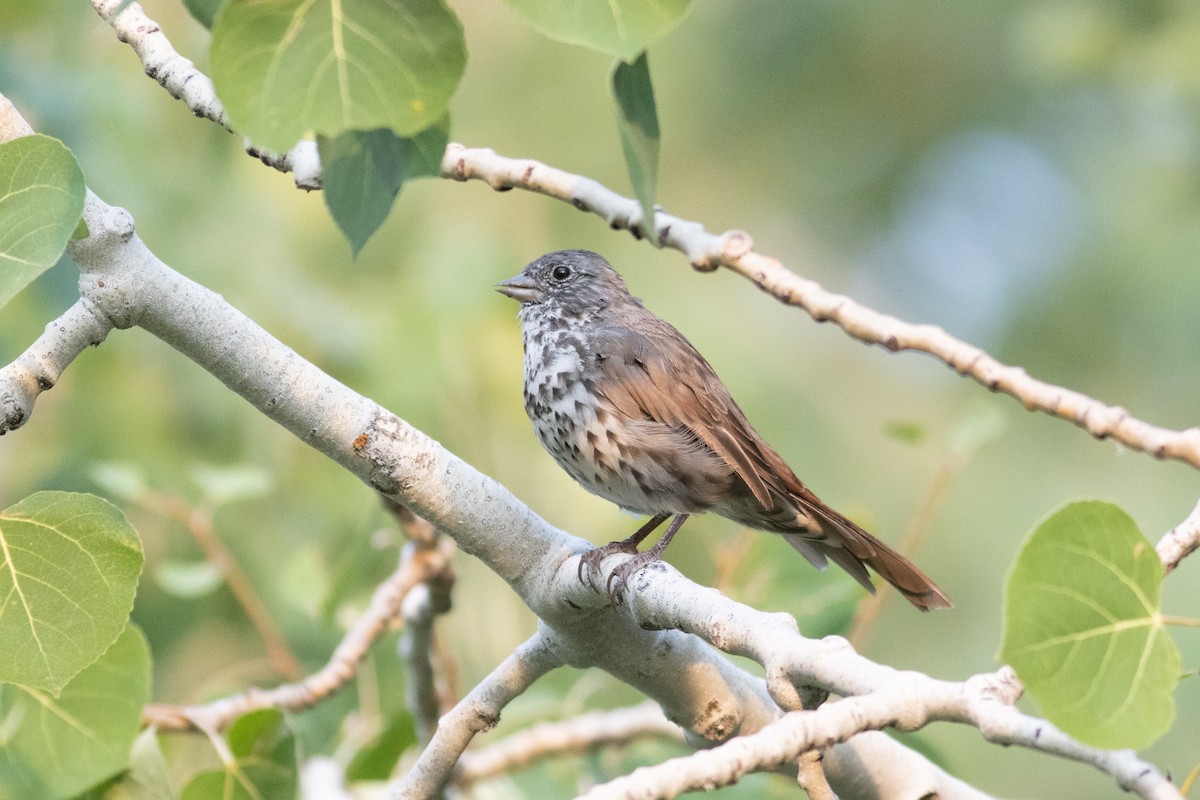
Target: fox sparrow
631 410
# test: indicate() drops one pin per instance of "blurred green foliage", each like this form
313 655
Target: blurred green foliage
1024 174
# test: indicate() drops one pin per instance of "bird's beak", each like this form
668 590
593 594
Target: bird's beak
521 288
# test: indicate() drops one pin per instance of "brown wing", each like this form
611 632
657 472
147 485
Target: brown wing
652 372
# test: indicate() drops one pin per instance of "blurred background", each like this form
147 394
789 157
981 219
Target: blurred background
1024 174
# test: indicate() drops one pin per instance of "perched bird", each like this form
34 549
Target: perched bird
633 412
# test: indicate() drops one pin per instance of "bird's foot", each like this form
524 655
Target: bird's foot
618 580
589 562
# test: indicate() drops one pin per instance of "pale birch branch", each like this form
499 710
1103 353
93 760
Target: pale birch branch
179 76
590 731
128 285
385 604
479 711
1181 541
39 367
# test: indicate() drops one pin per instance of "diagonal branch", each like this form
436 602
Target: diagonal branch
39 367
479 711
179 76
734 250
1179 542
341 668
580 734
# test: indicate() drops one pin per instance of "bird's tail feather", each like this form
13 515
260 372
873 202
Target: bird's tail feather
853 549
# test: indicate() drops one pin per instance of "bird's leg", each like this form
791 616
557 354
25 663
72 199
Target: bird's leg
620 576
589 562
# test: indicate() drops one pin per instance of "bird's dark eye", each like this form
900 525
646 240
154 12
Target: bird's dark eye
561 272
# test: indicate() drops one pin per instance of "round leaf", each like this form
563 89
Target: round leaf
637 122
69 565
364 170
41 200
59 746
287 67
264 766
621 28
1083 630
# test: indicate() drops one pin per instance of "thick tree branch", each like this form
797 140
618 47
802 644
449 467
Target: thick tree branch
128 286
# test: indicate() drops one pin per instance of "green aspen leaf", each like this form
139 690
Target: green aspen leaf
1083 630
69 565
621 28
59 746
264 766
637 120
364 170
284 68
204 11
146 778
378 758
41 200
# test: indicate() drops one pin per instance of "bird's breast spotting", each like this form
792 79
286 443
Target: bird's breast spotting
610 454
557 399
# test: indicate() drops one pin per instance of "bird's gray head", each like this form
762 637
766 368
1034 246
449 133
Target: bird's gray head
578 281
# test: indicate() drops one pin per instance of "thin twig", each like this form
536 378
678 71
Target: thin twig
581 734
418 643
479 711
340 670
198 522
1179 542
40 366
179 76
811 777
